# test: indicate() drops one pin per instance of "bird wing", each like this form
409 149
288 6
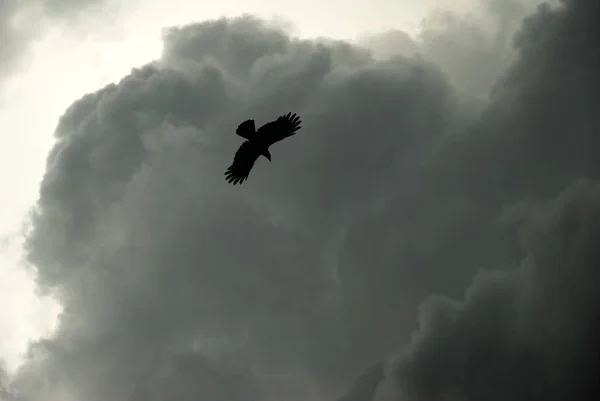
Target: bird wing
276 130
243 161
246 129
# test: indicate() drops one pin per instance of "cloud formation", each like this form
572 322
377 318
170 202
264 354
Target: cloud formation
23 21
528 333
398 186
472 49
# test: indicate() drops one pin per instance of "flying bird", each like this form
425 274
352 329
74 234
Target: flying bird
257 144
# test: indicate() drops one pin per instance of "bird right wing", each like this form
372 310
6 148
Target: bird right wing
243 161
284 126
246 129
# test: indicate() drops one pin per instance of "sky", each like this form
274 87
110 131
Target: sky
437 211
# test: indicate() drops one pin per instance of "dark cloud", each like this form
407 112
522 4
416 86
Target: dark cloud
23 21
528 333
288 286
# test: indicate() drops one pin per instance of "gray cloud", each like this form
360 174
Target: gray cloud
472 49
23 21
290 285
527 333
4 383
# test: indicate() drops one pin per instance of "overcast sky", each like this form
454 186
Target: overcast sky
437 211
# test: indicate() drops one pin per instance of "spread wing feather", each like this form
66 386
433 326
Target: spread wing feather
243 161
274 131
246 129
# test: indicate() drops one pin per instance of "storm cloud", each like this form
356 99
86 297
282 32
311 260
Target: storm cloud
526 333
402 183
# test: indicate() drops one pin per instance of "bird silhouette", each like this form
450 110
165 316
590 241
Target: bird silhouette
257 144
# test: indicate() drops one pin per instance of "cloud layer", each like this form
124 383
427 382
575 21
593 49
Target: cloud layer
22 22
399 185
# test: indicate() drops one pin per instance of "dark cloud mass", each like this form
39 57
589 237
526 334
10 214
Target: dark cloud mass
527 333
403 183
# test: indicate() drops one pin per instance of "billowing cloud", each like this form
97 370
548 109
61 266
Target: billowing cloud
286 287
472 50
526 333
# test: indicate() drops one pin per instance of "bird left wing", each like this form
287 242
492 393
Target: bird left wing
246 129
279 129
243 161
